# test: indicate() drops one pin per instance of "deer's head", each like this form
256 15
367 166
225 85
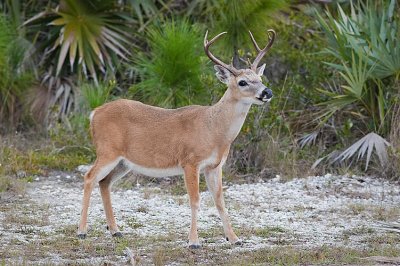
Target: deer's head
246 84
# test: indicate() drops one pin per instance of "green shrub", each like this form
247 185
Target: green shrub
171 72
14 79
366 46
370 32
96 95
236 17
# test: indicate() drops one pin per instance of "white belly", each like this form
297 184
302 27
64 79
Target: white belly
164 172
154 172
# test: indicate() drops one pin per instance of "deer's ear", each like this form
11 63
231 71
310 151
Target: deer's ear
222 74
260 70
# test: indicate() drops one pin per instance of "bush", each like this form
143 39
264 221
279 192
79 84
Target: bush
366 46
14 79
171 72
96 95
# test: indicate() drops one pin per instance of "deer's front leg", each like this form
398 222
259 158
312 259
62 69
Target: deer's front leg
214 183
192 186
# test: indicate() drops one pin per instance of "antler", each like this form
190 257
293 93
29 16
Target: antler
261 53
207 45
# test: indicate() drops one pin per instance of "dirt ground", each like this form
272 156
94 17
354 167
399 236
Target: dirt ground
315 220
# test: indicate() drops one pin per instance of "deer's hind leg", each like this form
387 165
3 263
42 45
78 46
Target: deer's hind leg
101 168
105 189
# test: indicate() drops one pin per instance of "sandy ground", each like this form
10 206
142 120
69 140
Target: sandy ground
305 213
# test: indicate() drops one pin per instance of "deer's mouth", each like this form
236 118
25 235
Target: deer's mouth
264 99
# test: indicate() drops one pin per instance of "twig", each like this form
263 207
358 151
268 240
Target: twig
392 227
131 256
381 259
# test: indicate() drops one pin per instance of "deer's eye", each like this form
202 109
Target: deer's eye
242 83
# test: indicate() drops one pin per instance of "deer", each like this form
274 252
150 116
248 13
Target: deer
131 136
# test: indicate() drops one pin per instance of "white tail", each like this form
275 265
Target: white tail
132 136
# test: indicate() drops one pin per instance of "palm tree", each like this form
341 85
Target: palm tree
77 41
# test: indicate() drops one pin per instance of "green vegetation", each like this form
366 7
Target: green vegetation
15 79
24 158
366 48
171 73
237 18
94 96
92 33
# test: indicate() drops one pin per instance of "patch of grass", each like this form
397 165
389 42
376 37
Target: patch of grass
121 244
268 231
358 231
285 255
68 230
133 223
385 213
23 159
12 184
159 257
260 231
390 239
381 213
211 234
24 216
357 208
292 256
142 208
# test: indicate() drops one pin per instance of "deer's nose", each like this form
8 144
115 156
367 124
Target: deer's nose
266 93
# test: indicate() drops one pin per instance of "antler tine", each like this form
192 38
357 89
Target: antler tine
254 42
261 53
207 45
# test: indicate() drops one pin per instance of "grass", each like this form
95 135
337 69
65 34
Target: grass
38 162
133 223
381 213
24 157
169 253
11 184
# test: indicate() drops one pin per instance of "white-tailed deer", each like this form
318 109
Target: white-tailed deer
131 136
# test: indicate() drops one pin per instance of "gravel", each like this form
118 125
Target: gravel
309 212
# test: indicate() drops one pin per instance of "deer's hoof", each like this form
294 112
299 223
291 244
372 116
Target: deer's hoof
117 234
81 236
194 246
239 242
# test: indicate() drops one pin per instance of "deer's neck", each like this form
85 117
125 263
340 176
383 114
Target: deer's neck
228 115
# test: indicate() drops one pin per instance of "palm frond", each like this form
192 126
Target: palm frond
371 30
86 35
308 139
368 144
388 226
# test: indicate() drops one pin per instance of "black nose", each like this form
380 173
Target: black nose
266 93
